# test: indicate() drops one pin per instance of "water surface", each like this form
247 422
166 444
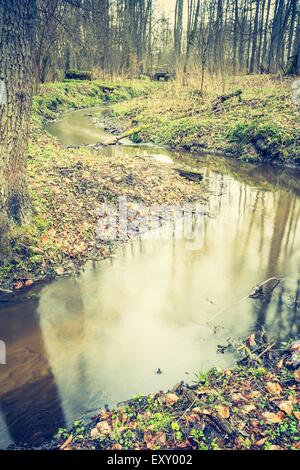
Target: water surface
100 338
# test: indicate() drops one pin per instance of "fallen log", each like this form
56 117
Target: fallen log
115 139
190 175
221 99
265 288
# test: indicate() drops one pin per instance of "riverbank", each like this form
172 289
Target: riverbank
255 405
67 186
260 124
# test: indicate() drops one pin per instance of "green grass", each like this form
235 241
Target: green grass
263 127
55 98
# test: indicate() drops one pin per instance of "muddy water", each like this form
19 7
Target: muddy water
77 344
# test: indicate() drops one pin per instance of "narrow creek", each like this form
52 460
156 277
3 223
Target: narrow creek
100 338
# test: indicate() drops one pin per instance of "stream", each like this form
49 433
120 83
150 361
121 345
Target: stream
76 344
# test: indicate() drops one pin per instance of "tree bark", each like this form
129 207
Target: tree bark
254 39
17 21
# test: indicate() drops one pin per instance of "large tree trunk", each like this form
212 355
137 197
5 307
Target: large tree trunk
17 21
254 39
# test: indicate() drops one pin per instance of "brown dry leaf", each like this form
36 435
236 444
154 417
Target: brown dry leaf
196 409
286 406
248 408
154 440
261 441
272 418
223 411
95 433
104 415
273 447
205 412
238 397
274 388
228 372
103 427
170 398
254 394
116 447
29 283
207 391
297 375
183 445
60 271
132 425
250 341
44 239
66 443
295 346
254 422
280 364
193 418
297 415
19 285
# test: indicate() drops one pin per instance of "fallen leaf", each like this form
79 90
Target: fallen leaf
102 428
44 239
238 397
297 375
207 391
60 271
223 411
19 285
116 447
95 433
29 283
295 346
261 441
286 406
67 442
183 445
254 394
297 415
170 398
250 341
205 412
248 409
102 251
193 418
274 447
254 422
280 364
104 415
272 418
154 440
274 388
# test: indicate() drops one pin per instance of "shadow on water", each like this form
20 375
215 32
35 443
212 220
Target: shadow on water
30 407
99 338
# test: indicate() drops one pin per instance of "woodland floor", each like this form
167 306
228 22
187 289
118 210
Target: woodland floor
253 406
256 404
67 186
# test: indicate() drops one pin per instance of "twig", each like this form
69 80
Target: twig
265 350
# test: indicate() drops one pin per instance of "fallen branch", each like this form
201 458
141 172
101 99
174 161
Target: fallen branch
221 99
115 139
